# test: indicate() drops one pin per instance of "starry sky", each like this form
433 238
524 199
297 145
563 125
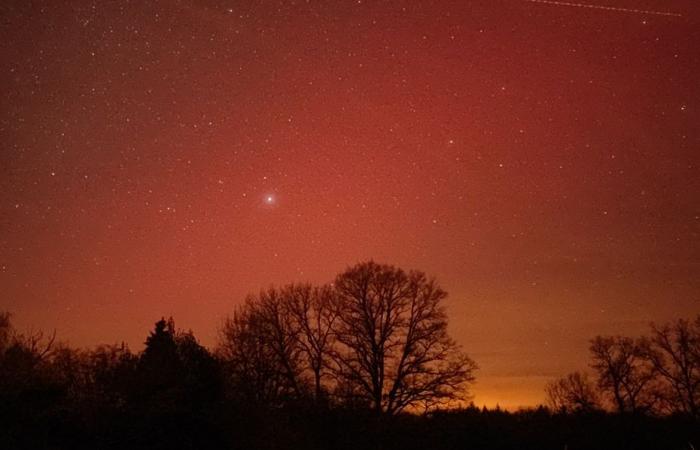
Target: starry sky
540 159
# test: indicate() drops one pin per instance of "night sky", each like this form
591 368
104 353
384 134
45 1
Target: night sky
541 160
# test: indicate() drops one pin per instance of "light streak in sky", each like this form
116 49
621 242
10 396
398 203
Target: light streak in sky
609 8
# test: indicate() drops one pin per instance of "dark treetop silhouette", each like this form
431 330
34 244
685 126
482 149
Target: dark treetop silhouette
657 374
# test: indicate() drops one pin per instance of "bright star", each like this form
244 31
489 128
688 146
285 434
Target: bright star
270 199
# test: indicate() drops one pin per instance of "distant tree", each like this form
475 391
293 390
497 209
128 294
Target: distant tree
394 348
624 374
573 393
674 352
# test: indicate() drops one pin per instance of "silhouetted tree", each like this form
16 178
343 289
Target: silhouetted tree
201 375
313 311
158 367
28 385
23 356
70 369
575 392
260 352
395 351
113 372
161 349
378 336
674 352
174 372
624 373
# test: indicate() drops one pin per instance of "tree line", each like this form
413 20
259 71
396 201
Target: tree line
375 338
363 362
654 374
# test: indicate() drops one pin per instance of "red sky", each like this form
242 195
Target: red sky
540 160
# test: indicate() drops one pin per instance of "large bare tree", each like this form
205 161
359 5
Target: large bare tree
394 350
624 373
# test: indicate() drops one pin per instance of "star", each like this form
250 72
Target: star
270 199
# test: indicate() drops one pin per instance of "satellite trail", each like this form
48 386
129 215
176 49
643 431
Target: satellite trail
609 8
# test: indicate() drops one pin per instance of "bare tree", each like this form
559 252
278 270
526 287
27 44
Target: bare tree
260 347
575 392
313 312
394 348
674 352
25 360
624 373
40 344
281 334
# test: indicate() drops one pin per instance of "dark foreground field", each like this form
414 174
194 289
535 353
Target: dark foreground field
229 427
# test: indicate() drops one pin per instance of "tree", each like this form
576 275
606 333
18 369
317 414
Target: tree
313 311
158 365
575 392
201 378
175 372
394 349
161 349
279 343
260 351
674 352
113 372
624 373
27 381
23 356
